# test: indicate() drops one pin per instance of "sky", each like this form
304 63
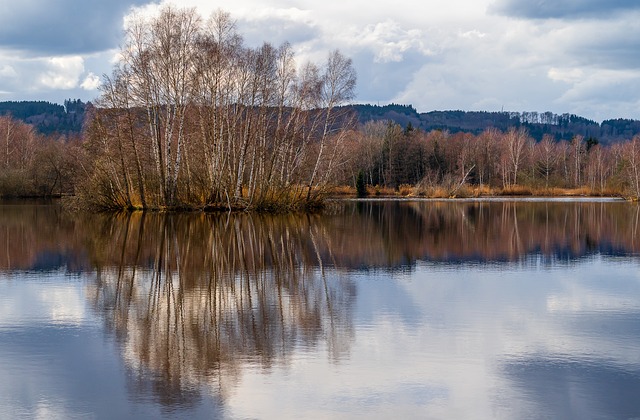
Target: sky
571 56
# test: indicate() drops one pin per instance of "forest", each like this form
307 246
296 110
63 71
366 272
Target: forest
48 118
385 157
538 124
193 119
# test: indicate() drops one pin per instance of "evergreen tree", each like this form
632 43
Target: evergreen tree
361 187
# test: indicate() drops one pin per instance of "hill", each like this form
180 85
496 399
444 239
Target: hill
46 117
560 127
49 118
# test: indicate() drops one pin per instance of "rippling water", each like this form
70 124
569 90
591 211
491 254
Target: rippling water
474 310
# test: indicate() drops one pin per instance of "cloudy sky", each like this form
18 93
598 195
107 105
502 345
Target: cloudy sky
576 56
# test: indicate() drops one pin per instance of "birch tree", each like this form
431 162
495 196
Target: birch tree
546 156
223 123
337 87
161 54
631 153
514 147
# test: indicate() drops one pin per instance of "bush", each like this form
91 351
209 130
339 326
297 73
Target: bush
15 183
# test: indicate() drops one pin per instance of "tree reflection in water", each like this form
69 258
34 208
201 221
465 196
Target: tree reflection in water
397 234
360 235
194 299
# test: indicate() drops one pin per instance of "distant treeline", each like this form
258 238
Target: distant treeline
538 124
49 118
46 117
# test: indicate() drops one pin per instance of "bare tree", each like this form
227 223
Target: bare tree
631 152
598 167
577 152
514 142
486 152
161 55
337 87
18 141
546 157
224 123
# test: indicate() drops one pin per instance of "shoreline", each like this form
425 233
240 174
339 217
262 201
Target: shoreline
538 199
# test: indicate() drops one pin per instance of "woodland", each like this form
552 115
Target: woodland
193 119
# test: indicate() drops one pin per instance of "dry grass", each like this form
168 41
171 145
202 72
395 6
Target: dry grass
406 190
583 191
379 191
516 190
431 192
521 190
343 190
482 191
474 191
562 192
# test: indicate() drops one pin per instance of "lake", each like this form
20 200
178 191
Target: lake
403 309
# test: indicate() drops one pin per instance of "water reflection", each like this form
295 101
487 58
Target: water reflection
399 309
357 236
194 299
568 389
400 233
38 236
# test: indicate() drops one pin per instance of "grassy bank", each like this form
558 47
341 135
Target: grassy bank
467 191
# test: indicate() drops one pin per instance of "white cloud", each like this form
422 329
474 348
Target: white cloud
91 82
571 75
7 71
51 78
474 33
609 85
62 72
289 13
388 40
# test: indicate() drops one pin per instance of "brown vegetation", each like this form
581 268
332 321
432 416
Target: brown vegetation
442 165
32 164
192 118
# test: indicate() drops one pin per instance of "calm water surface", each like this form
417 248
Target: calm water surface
438 310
